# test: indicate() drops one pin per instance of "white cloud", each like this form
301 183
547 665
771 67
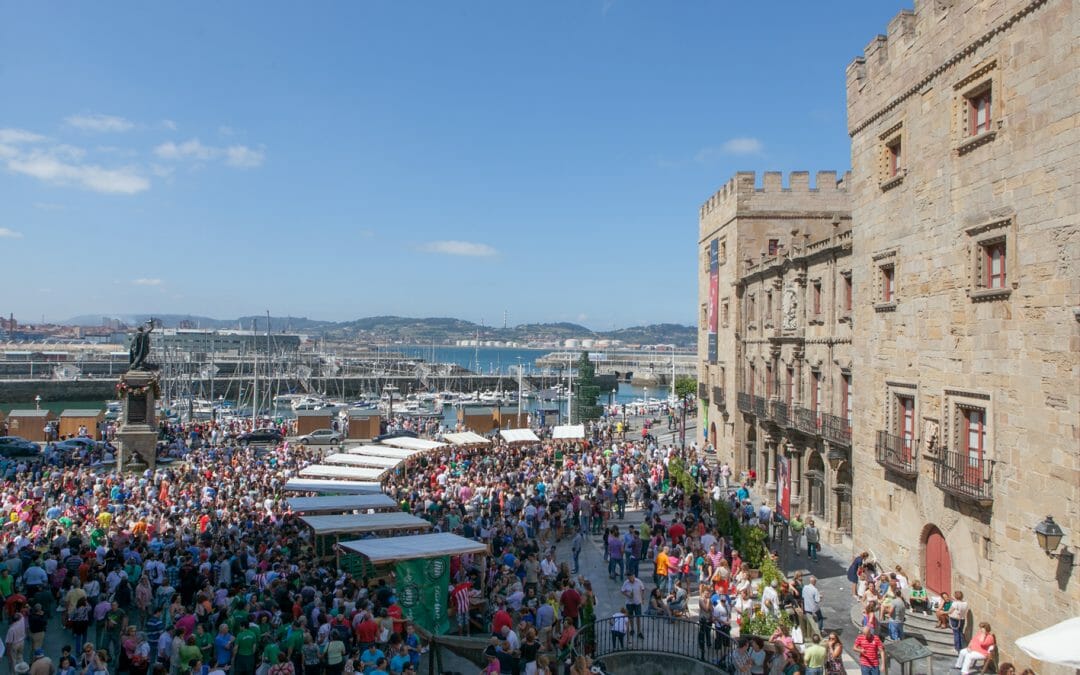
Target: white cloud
236 156
742 146
125 180
168 124
6 233
147 282
466 248
99 123
14 136
192 149
243 157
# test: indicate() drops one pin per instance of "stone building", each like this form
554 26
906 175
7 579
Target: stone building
966 265
774 338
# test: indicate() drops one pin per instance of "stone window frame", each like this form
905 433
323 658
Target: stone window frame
725 313
815 318
882 261
843 308
995 231
956 401
722 251
983 77
894 136
894 389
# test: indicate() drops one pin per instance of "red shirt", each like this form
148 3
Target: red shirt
870 654
501 618
571 602
677 531
367 630
394 612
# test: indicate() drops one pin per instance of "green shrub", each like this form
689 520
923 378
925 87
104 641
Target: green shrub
762 624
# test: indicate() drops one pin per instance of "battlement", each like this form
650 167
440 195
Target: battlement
744 184
921 44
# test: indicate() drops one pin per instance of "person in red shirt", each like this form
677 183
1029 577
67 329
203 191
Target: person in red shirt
394 612
571 602
677 531
869 648
501 619
367 631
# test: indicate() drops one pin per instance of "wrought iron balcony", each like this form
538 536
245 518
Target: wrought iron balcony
806 420
897 454
719 398
703 391
780 413
835 429
743 401
964 476
760 407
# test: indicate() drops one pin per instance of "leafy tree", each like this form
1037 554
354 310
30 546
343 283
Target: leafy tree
685 386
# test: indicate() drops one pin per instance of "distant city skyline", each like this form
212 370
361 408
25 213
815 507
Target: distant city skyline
364 159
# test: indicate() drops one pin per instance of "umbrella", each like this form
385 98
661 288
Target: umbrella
1056 644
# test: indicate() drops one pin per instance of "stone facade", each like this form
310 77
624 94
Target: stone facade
966 264
772 379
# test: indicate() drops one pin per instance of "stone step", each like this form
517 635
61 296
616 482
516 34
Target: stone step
938 641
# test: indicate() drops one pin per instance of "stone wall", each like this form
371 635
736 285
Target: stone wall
950 338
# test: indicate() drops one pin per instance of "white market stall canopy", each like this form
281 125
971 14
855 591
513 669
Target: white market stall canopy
1056 644
409 443
344 472
382 451
341 503
371 522
394 549
518 436
333 487
465 438
568 432
362 460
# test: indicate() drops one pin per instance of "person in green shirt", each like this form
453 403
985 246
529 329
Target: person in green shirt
270 653
189 652
7 582
797 526
814 656
205 642
293 643
246 642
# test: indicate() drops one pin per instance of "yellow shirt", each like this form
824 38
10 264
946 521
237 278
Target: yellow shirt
661 564
104 519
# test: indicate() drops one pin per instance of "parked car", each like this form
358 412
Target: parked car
320 436
260 436
17 446
401 433
76 444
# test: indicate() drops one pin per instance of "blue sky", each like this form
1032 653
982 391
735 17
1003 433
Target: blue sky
338 160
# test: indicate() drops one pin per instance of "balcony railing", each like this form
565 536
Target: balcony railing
688 638
897 454
780 413
759 407
719 398
835 429
964 476
806 420
743 401
703 391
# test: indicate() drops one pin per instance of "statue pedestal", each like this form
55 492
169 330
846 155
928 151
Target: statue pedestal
138 426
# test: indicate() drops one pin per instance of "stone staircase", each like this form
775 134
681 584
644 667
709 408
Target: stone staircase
922 627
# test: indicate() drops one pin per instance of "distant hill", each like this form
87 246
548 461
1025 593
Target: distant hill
417 330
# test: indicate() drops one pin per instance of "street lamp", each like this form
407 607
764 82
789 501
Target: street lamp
1049 535
37 402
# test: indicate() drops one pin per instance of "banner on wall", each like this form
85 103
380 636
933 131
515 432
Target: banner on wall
712 309
783 486
423 587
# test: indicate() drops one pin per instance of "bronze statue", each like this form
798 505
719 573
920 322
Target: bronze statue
140 347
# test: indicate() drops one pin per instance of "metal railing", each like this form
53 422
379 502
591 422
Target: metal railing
719 398
780 412
964 476
760 407
703 391
835 429
897 454
806 420
683 637
742 400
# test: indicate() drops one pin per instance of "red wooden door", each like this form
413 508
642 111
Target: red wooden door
712 435
938 563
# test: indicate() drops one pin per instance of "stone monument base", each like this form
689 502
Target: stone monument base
138 429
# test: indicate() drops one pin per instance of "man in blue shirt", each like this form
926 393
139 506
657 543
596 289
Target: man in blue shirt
223 645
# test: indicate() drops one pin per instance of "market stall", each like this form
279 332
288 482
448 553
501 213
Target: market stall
410 443
349 459
568 432
519 436
333 487
359 473
328 530
342 504
465 439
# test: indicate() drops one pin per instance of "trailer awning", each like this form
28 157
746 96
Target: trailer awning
465 438
409 443
370 522
341 503
568 432
384 550
382 451
362 460
518 436
344 472
333 487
